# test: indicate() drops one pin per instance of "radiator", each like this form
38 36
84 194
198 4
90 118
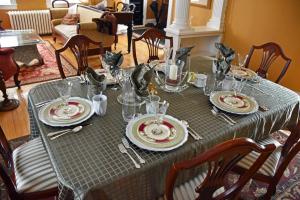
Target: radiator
39 20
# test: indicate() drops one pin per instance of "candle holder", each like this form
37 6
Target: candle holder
175 77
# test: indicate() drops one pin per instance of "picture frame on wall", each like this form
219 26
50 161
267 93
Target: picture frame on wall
202 3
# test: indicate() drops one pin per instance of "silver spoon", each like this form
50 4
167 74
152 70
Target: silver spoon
192 132
74 130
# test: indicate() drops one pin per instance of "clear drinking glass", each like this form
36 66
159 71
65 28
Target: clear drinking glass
209 85
228 83
96 89
242 59
152 104
159 115
238 85
64 88
129 110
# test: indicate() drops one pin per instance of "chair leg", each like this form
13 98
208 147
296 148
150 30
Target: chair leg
16 76
270 192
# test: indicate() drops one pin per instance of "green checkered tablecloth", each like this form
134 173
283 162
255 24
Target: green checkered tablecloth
90 166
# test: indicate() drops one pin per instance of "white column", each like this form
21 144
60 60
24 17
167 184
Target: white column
182 12
218 15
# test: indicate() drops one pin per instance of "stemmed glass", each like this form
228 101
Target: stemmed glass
64 88
160 113
242 59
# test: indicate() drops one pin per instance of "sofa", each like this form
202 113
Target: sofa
85 27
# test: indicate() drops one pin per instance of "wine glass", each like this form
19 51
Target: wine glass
64 88
161 110
242 59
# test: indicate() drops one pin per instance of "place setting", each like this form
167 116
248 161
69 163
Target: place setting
72 113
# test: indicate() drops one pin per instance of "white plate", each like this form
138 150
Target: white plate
241 104
131 125
43 113
242 72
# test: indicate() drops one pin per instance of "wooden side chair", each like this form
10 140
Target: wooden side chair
152 37
27 171
272 170
219 160
65 1
8 68
79 45
271 51
125 7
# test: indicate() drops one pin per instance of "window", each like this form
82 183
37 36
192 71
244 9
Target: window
8 4
202 3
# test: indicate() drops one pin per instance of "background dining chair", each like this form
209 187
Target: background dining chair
65 2
272 170
27 171
125 7
79 45
152 37
8 68
271 51
219 160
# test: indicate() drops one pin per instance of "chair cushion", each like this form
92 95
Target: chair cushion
67 30
270 165
33 168
186 191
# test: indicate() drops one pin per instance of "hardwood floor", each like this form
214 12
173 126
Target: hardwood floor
15 123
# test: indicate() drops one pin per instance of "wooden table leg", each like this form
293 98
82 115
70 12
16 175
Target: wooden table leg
6 104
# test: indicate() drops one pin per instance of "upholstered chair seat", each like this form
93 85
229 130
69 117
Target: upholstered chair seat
33 169
270 165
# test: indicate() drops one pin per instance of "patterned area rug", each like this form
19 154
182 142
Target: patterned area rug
47 71
287 189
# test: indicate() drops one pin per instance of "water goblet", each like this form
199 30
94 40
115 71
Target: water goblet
64 88
152 104
159 116
242 59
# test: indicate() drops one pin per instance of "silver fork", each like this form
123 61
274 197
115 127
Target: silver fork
127 146
221 113
124 151
224 118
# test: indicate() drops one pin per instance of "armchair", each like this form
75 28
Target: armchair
8 68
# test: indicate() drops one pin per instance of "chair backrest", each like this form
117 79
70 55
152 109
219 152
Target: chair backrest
271 51
79 45
220 160
152 37
289 150
54 1
125 7
7 171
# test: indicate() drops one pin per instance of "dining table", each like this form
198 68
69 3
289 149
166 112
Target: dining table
90 166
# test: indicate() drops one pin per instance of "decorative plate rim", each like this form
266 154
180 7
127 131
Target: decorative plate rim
53 124
254 110
157 149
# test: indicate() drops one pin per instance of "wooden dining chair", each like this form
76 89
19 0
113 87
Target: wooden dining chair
272 170
27 171
271 51
152 37
125 7
219 160
79 45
